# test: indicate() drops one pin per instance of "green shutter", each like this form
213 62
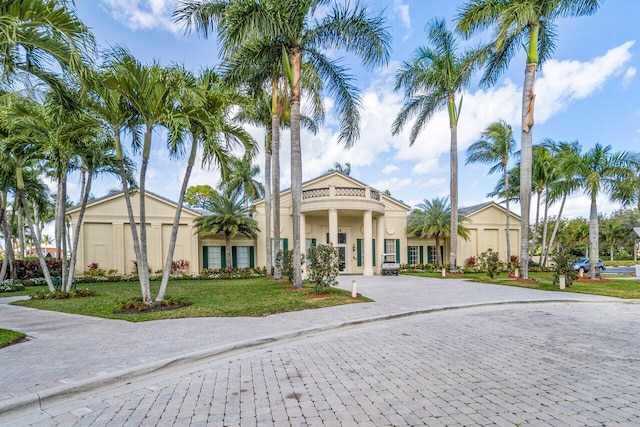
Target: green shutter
313 242
285 244
397 250
205 257
430 259
359 251
421 254
251 257
223 257
234 256
408 254
374 252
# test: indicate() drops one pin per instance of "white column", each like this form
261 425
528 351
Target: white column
333 226
303 242
368 242
379 242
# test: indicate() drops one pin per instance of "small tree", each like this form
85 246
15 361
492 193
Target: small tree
563 260
490 262
323 267
284 261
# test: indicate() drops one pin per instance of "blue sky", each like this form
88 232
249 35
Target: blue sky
587 92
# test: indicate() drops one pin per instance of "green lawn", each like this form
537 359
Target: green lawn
214 298
8 337
613 286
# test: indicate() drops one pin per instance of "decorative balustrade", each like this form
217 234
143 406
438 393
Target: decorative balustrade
315 192
375 195
350 191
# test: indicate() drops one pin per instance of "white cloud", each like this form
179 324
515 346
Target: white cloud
143 14
389 169
402 11
392 184
563 82
628 76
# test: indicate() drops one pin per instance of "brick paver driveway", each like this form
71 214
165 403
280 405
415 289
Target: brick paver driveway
551 363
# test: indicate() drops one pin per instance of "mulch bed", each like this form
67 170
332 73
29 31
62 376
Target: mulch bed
153 308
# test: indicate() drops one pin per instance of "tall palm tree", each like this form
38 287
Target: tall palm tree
339 167
228 216
204 114
516 24
495 147
431 80
242 179
36 33
432 218
600 171
612 232
561 187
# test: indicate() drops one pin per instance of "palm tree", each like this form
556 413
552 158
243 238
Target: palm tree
36 33
431 81
433 219
338 167
228 216
242 179
612 232
516 24
495 148
561 187
203 114
600 171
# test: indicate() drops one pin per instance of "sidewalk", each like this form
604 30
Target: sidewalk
71 353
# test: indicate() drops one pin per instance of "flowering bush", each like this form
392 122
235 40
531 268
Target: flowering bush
323 267
472 261
10 285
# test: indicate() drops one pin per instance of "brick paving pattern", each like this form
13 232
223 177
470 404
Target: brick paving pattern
534 364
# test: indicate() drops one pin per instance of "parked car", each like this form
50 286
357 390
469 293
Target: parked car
582 265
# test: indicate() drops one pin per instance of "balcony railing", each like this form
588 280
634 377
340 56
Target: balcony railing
340 192
315 192
350 191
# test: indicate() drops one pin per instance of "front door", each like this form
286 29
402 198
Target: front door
342 252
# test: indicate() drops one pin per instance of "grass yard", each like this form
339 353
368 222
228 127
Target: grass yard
612 286
214 298
8 337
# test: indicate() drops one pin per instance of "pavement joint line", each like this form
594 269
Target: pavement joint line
50 396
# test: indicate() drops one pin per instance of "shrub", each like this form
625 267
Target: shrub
94 270
77 293
323 267
563 260
136 305
30 268
472 261
514 262
490 263
284 260
179 266
10 285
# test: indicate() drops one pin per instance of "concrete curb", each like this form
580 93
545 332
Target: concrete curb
35 401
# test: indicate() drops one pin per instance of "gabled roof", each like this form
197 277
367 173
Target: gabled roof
470 210
112 196
344 176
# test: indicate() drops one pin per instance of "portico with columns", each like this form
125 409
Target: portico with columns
362 222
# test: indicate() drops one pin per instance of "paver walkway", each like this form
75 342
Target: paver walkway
70 350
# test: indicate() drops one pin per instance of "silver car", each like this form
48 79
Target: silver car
582 265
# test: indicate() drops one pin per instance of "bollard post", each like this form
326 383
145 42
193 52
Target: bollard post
563 282
516 273
444 272
354 289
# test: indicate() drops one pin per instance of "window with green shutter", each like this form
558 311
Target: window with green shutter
359 251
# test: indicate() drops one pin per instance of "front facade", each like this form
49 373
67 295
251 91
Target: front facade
360 221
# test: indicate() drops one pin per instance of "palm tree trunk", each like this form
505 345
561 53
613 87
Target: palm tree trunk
6 233
275 132
545 225
144 279
227 249
454 199
43 262
526 153
296 166
508 222
532 248
555 228
63 230
594 233
10 254
267 198
21 233
176 221
76 232
58 219
438 258
132 219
